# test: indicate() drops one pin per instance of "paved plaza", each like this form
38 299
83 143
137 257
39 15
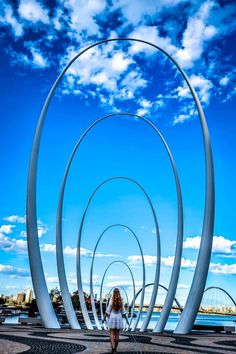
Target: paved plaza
32 339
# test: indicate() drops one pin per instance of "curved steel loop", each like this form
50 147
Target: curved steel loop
120 287
84 310
178 252
101 288
161 286
92 265
200 275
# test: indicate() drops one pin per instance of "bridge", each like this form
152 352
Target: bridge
215 301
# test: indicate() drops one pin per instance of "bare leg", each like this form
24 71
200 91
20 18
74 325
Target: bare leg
112 339
117 337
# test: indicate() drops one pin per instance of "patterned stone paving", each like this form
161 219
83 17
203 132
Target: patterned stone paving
32 339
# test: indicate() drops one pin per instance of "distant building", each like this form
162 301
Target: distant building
29 296
20 298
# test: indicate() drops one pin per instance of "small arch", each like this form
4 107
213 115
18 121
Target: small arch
91 274
101 288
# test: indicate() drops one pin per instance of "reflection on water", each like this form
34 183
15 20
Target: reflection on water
14 319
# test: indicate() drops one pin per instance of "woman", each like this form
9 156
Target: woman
115 311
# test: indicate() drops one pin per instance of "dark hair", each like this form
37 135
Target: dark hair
116 304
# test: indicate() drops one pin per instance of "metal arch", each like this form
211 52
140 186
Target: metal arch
178 251
84 308
200 275
103 278
119 287
161 286
91 271
224 291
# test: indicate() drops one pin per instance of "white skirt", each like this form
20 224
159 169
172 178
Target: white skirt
116 321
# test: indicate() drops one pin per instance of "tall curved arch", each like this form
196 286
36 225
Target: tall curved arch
103 278
161 286
178 251
84 309
199 280
224 291
91 274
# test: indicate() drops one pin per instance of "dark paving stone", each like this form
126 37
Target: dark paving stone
45 346
232 343
183 340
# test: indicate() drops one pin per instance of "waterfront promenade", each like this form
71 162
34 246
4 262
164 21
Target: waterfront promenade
32 339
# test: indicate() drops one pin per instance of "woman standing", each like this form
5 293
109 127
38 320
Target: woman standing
115 311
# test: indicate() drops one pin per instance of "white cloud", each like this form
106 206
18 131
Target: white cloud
38 59
203 87
15 219
148 260
42 228
150 34
52 280
196 33
48 247
119 62
6 229
115 77
83 15
219 268
123 283
220 244
165 261
9 19
33 11
13 271
136 11
224 81
181 118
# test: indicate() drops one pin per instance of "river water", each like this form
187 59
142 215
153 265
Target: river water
171 324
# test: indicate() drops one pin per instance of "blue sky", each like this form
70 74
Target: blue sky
37 40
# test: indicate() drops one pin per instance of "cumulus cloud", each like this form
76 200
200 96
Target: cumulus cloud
165 261
219 268
224 81
148 260
6 229
8 19
203 87
71 251
186 263
220 244
111 73
83 15
150 34
33 11
15 219
14 271
123 283
136 11
112 77
195 35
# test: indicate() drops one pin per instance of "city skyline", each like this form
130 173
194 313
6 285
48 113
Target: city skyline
117 77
